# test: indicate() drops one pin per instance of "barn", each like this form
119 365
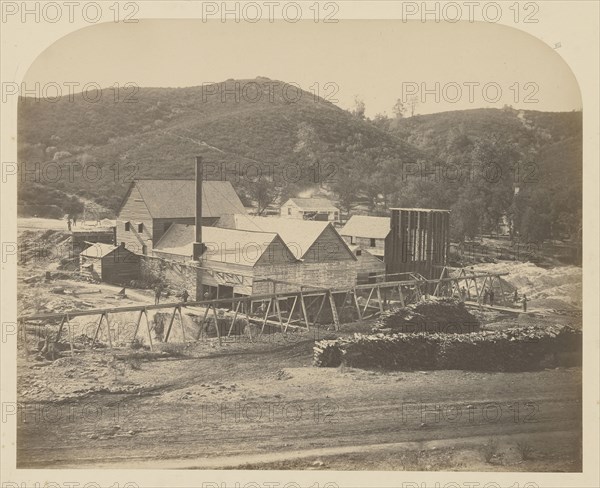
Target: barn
112 264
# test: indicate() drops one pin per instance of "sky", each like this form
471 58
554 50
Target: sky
442 66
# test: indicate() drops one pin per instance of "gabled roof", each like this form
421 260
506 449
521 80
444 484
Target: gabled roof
367 226
177 198
222 245
298 235
313 204
98 250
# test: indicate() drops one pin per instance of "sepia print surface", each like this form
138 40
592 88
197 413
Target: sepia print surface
270 237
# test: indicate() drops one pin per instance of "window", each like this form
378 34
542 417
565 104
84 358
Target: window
352 240
140 227
372 243
144 249
127 226
359 252
289 210
122 243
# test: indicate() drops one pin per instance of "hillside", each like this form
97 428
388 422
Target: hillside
538 154
159 133
274 141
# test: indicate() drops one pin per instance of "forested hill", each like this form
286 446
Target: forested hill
537 154
277 140
160 130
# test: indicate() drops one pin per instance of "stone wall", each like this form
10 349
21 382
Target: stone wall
174 275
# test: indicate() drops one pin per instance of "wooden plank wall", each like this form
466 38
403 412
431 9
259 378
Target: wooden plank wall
120 267
418 242
134 210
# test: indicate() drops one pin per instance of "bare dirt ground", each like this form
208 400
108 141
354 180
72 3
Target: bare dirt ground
262 405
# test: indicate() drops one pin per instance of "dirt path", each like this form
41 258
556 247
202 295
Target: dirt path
33 223
268 405
265 461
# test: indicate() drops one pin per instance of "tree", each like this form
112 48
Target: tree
263 192
413 102
535 227
399 109
359 108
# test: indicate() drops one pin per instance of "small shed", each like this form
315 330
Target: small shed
113 264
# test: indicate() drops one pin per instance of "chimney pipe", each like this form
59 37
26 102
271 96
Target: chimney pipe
198 245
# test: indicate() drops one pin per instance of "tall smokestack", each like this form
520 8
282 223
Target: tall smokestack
198 245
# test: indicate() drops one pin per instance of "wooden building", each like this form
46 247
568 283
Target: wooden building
369 268
261 255
325 258
319 209
418 242
150 207
368 232
82 237
310 241
235 262
113 264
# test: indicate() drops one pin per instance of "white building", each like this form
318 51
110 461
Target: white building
310 209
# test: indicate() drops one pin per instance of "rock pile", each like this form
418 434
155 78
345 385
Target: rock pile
443 315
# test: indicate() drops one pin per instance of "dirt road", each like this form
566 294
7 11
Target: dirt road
265 404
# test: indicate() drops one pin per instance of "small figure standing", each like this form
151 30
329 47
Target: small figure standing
157 293
524 303
184 296
492 296
463 294
515 296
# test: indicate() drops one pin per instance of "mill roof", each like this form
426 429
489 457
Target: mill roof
223 245
166 198
367 226
298 235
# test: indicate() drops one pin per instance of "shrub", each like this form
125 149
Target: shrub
137 344
490 449
135 363
525 450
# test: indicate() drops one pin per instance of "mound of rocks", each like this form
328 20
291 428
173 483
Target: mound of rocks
432 314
